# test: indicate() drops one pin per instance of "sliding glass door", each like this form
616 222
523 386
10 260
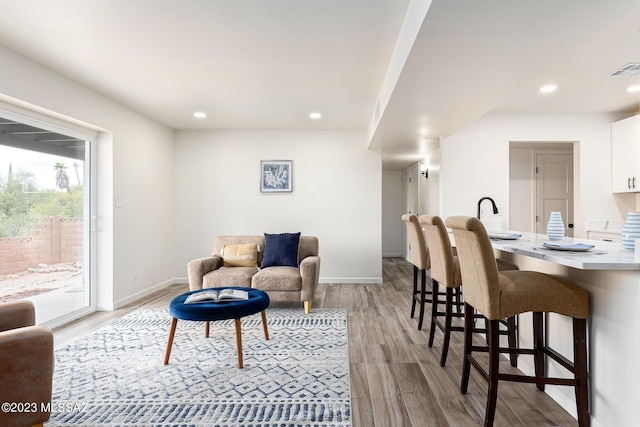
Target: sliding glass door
45 211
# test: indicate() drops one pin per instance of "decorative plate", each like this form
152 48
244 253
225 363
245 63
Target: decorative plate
504 236
576 247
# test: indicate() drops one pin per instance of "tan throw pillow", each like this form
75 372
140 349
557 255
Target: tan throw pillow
240 255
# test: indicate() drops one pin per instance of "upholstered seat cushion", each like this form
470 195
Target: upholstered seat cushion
229 276
278 279
211 311
524 291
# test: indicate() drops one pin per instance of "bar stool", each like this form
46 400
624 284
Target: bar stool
445 271
421 263
498 295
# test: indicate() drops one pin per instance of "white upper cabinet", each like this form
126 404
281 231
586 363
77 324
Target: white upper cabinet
625 155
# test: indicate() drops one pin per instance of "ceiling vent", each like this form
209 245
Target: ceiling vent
629 70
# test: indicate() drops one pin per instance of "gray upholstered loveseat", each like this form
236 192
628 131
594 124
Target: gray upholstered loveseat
280 282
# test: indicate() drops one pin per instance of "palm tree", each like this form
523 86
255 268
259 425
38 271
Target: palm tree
75 165
62 179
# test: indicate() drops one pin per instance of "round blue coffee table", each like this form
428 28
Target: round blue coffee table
211 311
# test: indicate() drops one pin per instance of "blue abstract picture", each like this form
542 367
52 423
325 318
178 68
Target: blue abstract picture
276 176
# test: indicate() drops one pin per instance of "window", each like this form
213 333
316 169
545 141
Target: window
45 216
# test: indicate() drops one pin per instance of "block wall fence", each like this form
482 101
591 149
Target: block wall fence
50 241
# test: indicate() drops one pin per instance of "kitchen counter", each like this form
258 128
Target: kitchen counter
605 255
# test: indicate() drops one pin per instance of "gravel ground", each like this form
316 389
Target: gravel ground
41 279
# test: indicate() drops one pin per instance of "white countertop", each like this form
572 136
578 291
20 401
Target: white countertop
605 255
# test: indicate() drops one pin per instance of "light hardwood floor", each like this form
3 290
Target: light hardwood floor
396 379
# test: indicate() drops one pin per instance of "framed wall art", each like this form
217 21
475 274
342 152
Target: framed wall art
276 176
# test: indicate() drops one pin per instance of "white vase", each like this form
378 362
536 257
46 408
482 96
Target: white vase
631 230
555 226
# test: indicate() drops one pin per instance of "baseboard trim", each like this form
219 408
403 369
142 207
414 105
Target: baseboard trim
375 280
137 296
393 255
321 280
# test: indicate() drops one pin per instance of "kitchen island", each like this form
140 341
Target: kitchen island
612 277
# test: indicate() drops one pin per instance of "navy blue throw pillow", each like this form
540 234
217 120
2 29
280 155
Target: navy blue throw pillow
281 250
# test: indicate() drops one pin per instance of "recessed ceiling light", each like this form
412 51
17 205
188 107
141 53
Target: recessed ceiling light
635 88
315 115
200 115
548 88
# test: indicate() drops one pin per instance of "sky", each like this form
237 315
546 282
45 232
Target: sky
38 164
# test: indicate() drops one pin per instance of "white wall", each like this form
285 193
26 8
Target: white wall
337 195
429 188
475 163
521 199
337 187
393 229
135 164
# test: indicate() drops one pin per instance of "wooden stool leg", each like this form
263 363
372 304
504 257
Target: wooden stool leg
434 311
447 327
494 361
264 325
172 332
458 300
206 329
423 296
512 327
468 334
239 343
538 344
415 291
580 371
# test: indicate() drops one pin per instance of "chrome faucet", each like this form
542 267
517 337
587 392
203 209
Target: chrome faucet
495 208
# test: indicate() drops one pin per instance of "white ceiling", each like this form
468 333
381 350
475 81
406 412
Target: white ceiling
474 57
249 64
266 64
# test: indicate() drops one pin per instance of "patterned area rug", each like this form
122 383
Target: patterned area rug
115 376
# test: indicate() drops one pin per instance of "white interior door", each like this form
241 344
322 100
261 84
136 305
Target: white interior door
412 189
554 190
411 200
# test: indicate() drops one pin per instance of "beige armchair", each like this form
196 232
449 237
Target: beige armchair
281 283
26 365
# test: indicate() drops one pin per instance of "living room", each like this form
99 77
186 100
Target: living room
163 192
154 171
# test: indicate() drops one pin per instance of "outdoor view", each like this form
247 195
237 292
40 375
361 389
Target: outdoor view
41 224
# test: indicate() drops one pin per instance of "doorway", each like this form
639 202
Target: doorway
411 200
541 180
554 189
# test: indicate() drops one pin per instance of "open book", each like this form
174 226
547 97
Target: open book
217 296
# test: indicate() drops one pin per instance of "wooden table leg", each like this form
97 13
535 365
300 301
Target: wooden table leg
239 343
172 332
264 325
